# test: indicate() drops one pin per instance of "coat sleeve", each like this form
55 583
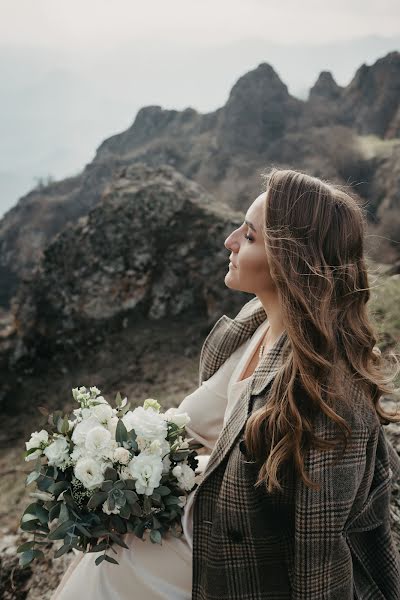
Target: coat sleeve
322 567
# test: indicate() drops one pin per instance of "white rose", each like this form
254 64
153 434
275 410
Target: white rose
107 510
176 416
185 476
89 472
82 429
122 455
146 469
57 452
147 424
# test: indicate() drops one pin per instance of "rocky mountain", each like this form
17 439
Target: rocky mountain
224 151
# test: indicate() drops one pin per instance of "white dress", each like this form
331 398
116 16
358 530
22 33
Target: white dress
150 571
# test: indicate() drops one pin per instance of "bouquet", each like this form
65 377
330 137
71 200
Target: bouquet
105 472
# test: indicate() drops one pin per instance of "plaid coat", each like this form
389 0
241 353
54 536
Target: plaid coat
332 544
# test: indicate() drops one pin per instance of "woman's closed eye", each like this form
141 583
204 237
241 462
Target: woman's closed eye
248 237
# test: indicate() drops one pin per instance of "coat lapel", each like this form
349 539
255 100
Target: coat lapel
227 335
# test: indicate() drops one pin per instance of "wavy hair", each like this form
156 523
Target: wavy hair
314 235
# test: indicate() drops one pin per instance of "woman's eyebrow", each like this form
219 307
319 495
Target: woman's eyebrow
250 225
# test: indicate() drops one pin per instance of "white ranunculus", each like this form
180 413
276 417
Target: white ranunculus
122 455
175 415
146 469
89 472
185 476
147 424
82 429
57 452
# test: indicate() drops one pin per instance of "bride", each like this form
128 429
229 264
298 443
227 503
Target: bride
300 252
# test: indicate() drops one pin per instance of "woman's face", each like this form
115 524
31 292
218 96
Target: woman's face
249 270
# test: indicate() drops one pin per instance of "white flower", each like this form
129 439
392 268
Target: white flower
146 423
57 452
71 424
39 440
176 416
183 500
121 455
97 440
185 476
100 399
103 413
76 453
94 390
107 510
146 469
124 473
82 429
89 472
112 426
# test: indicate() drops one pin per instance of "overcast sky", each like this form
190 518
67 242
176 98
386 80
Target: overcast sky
74 73
107 22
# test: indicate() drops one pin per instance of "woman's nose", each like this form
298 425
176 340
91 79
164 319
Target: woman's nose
230 242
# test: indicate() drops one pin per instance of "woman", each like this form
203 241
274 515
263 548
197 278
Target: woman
283 509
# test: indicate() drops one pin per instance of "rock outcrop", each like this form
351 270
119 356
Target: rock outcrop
153 249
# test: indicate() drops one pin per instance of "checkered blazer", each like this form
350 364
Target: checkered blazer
332 544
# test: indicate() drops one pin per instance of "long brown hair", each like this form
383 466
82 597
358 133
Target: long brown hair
314 238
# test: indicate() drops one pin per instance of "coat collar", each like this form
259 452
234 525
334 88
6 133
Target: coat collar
224 338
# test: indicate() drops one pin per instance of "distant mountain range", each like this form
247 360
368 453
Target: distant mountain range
349 134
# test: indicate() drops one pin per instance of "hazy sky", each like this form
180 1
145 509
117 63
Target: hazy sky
106 22
74 73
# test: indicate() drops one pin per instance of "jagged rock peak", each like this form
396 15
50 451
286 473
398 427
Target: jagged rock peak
325 87
259 81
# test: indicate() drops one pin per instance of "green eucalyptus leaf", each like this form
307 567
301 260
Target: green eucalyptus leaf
26 546
155 536
62 550
61 530
100 559
83 530
42 514
32 477
163 490
110 559
121 434
26 558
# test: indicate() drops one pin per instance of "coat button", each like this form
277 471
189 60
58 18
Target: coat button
235 535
